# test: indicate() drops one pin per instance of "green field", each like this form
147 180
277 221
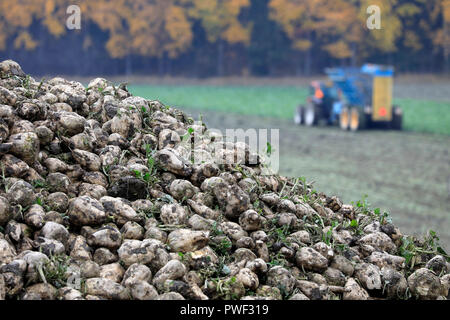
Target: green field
280 102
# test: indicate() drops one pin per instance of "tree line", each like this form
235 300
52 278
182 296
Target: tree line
201 38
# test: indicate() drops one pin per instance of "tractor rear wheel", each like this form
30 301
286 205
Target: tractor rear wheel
344 118
397 118
358 119
299 116
312 115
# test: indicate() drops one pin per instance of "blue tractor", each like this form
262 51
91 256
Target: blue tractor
355 98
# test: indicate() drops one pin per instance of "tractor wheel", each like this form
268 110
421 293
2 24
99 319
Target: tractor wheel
311 115
358 119
368 117
397 118
299 116
344 118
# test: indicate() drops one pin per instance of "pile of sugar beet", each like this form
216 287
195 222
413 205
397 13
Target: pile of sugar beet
101 198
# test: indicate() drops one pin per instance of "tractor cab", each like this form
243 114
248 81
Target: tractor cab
323 102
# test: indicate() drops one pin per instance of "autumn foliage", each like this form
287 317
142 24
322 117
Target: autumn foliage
165 28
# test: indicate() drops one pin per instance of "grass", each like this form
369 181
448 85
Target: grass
277 102
54 271
426 116
280 102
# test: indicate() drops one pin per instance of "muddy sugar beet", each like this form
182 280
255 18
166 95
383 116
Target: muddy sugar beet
100 198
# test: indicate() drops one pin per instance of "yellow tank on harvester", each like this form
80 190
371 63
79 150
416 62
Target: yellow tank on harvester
355 98
382 98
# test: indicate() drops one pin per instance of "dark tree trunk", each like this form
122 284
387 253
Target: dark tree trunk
161 66
128 65
299 66
168 65
307 65
353 60
220 58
